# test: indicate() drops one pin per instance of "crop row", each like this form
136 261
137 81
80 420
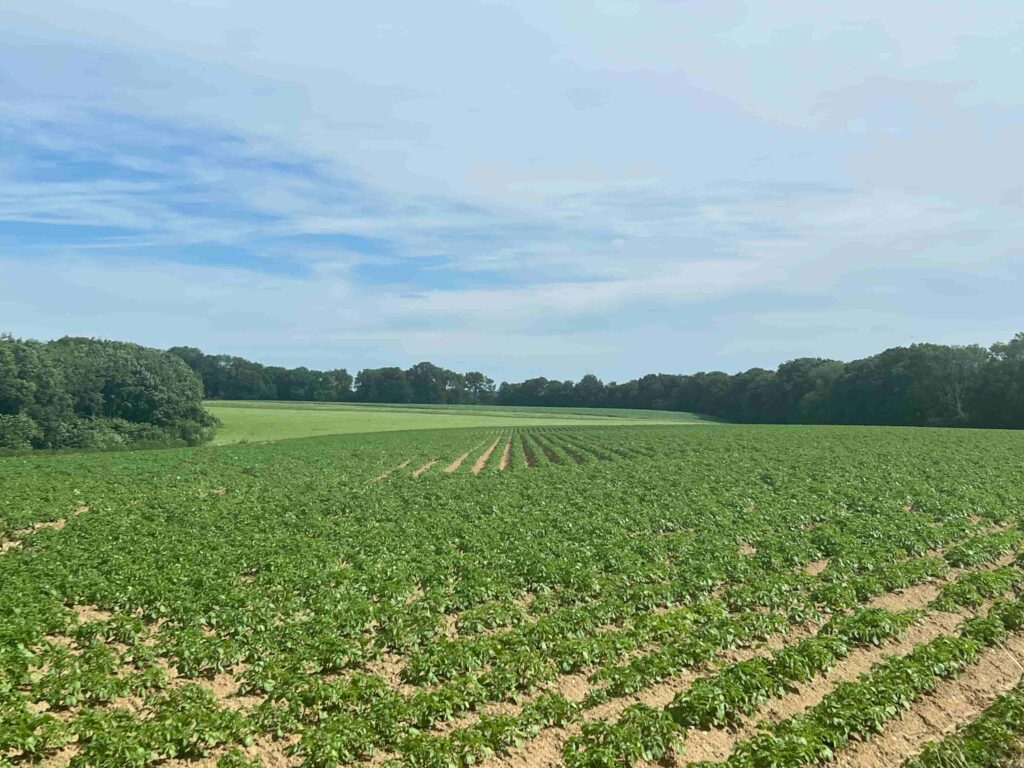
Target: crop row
992 740
511 666
855 709
350 616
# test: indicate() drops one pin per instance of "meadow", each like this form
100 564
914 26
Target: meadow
587 594
248 420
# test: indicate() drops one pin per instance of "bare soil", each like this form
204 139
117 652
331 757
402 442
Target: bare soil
815 567
911 597
506 456
424 468
457 463
950 703
16 542
717 744
481 462
403 465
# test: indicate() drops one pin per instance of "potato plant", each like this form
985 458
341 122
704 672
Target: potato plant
314 595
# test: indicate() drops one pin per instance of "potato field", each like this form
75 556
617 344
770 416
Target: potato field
586 596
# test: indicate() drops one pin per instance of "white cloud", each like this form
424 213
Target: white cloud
625 169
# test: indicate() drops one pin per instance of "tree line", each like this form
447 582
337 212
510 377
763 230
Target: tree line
88 393
919 385
226 377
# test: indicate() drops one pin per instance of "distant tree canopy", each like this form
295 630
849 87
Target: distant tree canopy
234 378
87 393
924 385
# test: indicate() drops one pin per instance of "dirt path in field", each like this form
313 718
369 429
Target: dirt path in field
950 703
481 462
425 467
545 749
403 465
506 455
457 463
718 743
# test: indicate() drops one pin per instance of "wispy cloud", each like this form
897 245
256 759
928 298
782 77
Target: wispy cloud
618 186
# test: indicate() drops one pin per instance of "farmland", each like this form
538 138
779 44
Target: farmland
519 594
258 421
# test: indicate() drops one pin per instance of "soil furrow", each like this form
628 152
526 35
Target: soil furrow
457 463
481 462
528 457
717 744
570 450
424 468
950 703
548 453
403 465
546 748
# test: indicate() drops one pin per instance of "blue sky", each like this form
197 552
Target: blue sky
525 188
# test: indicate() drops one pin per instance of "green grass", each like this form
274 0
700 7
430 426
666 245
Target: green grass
255 421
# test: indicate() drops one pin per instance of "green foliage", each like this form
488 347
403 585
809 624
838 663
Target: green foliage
87 393
992 740
28 733
642 733
211 596
924 385
971 589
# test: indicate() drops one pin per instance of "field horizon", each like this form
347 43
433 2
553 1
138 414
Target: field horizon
250 420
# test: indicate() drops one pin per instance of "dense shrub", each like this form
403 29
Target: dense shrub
87 393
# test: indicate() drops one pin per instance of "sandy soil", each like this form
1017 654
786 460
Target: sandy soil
424 468
481 462
457 463
951 702
403 465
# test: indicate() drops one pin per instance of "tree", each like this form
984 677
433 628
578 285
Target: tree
946 379
89 393
924 384
589 391
997 399
427 383
383 385
479 387
334 386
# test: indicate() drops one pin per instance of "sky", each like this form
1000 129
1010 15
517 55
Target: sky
532 187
